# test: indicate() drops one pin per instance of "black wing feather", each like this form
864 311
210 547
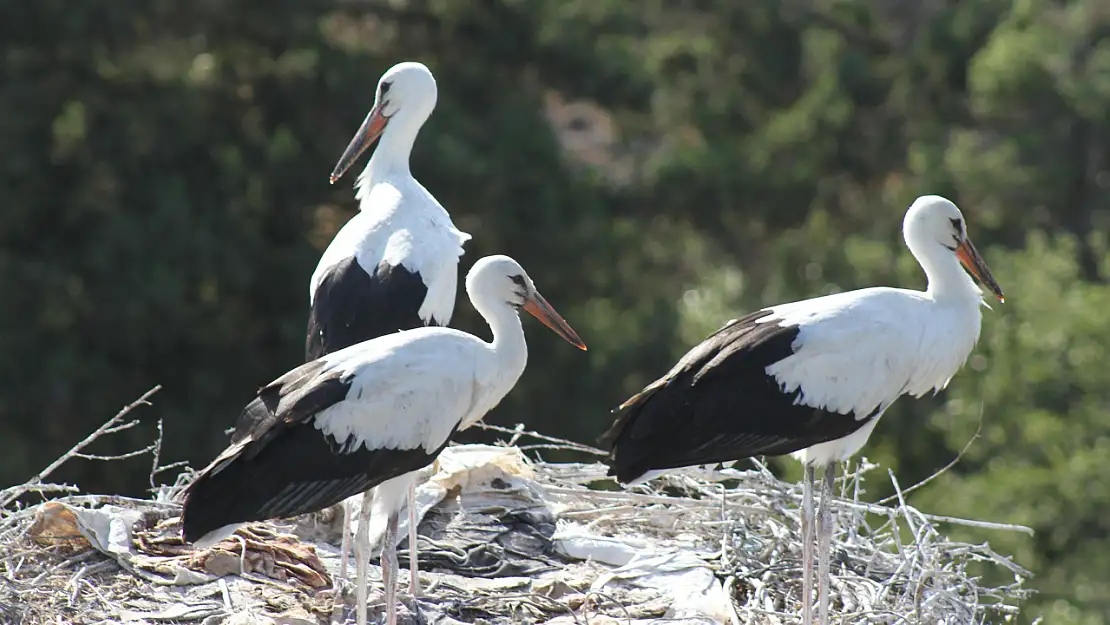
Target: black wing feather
717 404
296 396
351 306
281 465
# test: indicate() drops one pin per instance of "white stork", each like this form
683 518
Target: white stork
813 377
394 265
366 415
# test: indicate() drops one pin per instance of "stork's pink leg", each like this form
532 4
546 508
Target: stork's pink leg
414 564
824 537
807 546
389 568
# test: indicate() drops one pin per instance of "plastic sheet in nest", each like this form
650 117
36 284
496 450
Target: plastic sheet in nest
490 520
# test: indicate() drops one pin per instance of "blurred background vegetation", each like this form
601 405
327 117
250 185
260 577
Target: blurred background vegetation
659 167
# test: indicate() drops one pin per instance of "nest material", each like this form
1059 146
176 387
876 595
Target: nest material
611 556
889 564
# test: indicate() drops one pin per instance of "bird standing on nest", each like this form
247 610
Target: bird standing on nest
812 378
365 415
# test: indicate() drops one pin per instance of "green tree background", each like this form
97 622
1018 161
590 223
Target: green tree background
659 167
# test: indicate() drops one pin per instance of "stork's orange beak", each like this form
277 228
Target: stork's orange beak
977 267
372 128
538 307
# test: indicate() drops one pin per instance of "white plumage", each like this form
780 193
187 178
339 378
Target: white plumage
400 229
812 378
394 265
369 415
402 387
402 225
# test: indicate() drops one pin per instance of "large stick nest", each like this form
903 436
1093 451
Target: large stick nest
503 539
509 540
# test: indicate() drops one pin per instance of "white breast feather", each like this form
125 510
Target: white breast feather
402 224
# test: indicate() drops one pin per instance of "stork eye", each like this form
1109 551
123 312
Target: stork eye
517 279
958 224
385 87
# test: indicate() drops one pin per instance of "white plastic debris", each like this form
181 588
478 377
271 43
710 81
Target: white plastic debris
108 529
575 542
686 579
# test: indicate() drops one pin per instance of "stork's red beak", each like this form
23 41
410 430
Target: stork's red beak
977 267
369 132
538 307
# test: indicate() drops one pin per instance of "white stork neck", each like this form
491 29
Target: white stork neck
947 279
391 156
508 346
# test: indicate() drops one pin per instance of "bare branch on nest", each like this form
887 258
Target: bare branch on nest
945 468
156 455
563 443
111 426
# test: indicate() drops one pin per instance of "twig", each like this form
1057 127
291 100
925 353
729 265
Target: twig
945 468
597 511
130 454
661 499
157 455
121 427
225 593
593 593
172 465
116 500
549 446
76 586
519 430
988 525
96 591
111 425
49 488
902 507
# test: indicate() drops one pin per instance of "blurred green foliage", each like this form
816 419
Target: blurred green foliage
659 167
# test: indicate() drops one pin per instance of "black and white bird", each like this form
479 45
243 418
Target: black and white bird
812 378
394 265
365 415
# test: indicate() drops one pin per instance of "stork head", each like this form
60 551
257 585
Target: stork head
501 281
933 223
406 95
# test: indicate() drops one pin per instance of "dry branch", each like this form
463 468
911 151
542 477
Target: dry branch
561 443
111 426
945 468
